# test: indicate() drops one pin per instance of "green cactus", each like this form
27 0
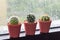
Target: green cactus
14 20
45 18
30 18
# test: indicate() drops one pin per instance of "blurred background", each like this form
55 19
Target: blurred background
22 8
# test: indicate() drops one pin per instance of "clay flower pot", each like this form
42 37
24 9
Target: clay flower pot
14 30
30 28
44 26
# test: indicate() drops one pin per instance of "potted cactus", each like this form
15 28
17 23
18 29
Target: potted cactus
14 27
44 24
30 25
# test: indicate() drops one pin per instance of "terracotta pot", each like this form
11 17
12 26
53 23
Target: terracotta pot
14 30
44 26
30 28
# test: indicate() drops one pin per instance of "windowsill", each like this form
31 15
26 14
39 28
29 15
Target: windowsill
23 34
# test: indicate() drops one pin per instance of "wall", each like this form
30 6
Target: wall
3 11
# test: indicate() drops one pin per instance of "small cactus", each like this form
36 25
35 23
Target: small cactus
30 18
14 20
45 18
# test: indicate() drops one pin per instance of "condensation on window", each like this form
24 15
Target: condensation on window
38 7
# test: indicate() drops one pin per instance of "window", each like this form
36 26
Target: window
23 7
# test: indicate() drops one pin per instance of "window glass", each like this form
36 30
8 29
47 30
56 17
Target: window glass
38 7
